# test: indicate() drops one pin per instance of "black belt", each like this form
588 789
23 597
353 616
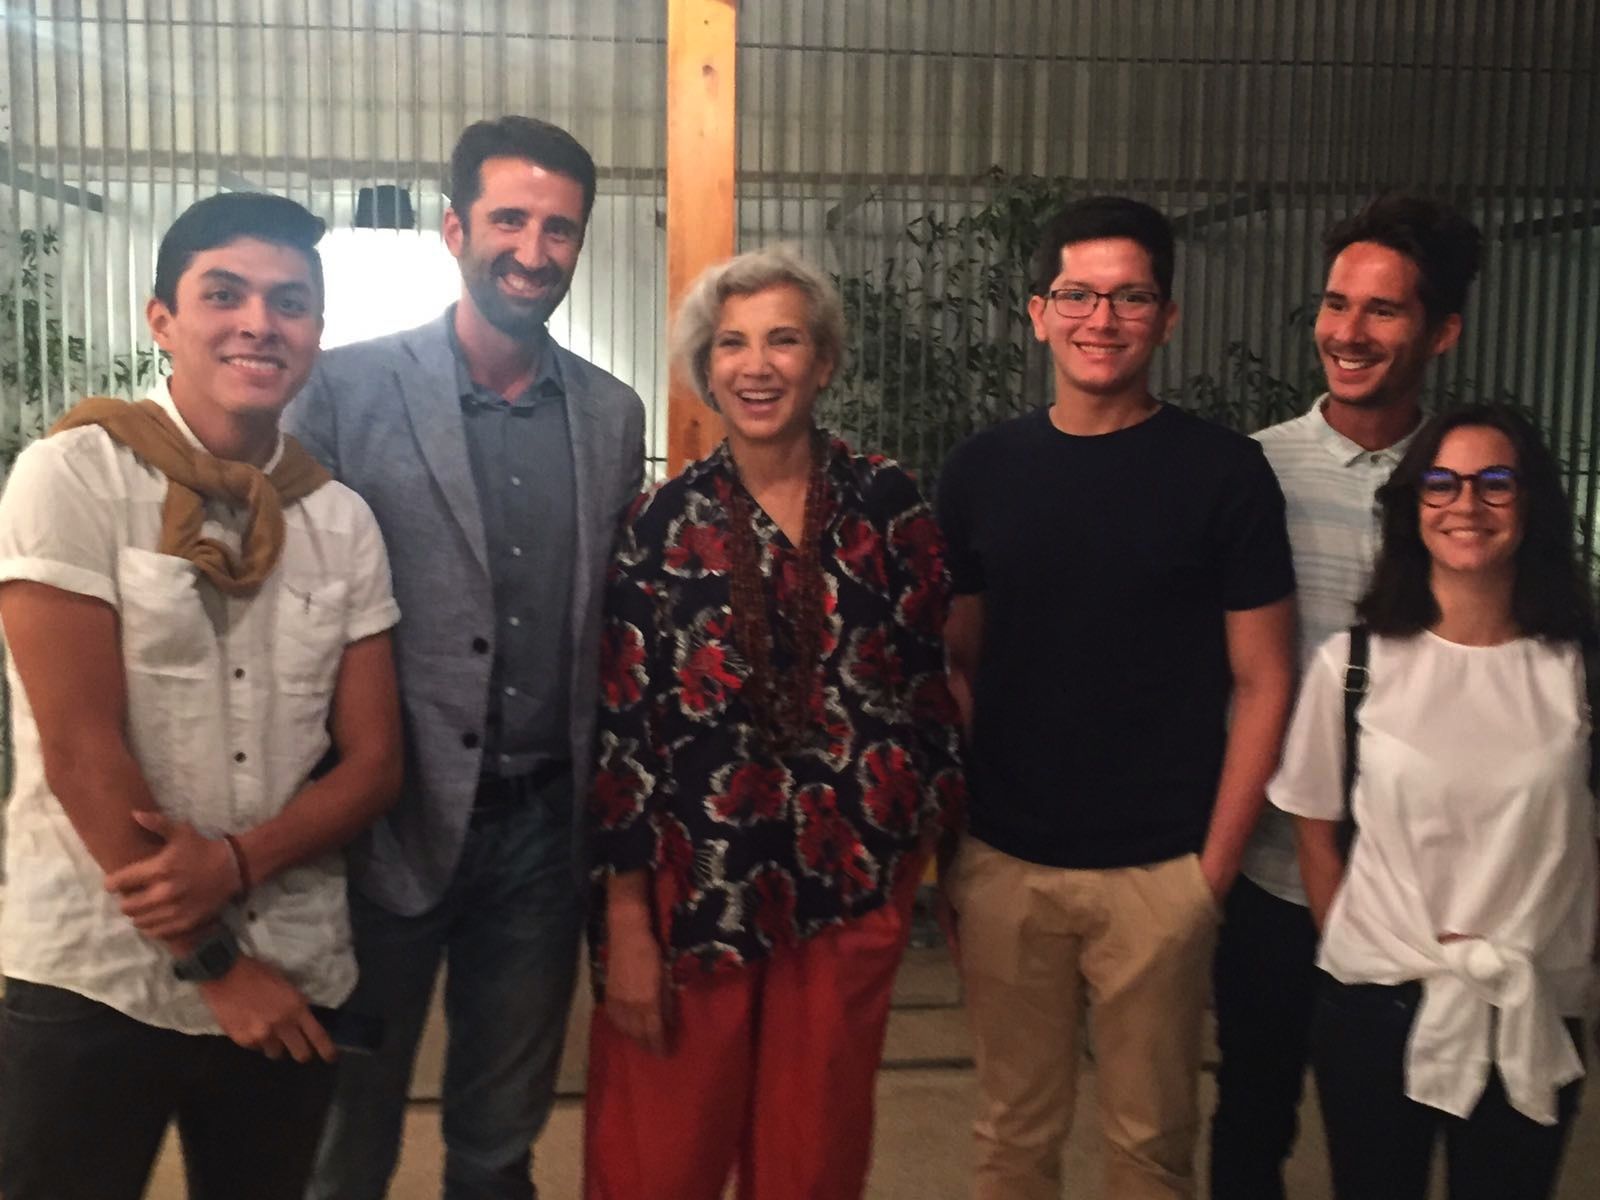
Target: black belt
497 796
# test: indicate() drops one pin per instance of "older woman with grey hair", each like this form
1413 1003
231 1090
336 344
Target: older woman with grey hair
777 743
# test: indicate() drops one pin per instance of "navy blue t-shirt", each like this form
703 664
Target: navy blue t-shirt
1106 566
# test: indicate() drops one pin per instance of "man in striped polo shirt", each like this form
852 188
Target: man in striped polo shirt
1398 273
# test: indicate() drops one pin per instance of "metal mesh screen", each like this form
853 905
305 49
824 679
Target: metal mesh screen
909 146
116 114
912 148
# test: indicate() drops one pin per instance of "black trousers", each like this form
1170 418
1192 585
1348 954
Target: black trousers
1381 1143
1265 989
86 1095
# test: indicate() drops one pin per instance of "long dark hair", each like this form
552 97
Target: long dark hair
1550 597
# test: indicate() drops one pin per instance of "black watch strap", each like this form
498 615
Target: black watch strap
211 959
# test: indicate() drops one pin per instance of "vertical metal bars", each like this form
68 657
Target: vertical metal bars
119 113
1254 125
867 134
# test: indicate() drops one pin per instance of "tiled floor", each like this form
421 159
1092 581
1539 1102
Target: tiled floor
925 1104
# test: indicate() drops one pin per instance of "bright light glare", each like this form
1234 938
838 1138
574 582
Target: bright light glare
382 281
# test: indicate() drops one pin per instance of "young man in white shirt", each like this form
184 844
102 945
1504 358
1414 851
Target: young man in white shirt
1397 280
196 615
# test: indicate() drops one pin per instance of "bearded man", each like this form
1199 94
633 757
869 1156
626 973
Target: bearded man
498 465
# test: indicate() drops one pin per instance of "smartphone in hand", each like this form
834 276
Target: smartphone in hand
351 1032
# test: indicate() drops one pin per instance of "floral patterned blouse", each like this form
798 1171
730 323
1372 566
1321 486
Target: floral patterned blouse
752 849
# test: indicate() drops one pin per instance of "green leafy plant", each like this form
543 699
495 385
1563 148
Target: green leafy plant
40 356
942 327
944 337
1244 393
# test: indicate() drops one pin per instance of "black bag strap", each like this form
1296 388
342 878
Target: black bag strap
1356 679
1591 682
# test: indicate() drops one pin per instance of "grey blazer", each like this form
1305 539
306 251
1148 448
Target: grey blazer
384 416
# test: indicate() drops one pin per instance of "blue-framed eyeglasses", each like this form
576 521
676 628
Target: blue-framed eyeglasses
1495 486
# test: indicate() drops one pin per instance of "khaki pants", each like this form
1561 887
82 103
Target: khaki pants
1036 943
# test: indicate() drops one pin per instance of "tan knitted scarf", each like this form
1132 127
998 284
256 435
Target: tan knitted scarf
194 475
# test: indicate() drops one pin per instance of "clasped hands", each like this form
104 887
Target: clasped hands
179 890
181 887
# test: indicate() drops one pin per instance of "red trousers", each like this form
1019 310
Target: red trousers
771 1069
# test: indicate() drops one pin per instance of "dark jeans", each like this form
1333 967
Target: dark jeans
1381 1143
1265 988
86 1095
507 930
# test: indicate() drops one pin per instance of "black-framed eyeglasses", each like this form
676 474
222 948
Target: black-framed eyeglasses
1129 304
1495 486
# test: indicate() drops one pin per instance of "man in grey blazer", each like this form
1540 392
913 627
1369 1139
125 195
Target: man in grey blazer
498 465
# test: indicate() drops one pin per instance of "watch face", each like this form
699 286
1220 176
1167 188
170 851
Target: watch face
212 959
215 957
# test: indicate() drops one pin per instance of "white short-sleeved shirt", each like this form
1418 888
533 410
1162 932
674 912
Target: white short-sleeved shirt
1330 486
1474 818
228 701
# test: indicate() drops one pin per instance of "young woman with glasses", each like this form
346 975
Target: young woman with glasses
1458 938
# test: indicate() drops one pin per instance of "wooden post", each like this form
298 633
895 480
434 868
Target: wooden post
700 161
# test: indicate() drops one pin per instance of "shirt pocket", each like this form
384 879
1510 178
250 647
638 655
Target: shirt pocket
300 923
308 641
165 629
171 667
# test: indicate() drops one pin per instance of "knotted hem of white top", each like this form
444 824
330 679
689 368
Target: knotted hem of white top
1531 1046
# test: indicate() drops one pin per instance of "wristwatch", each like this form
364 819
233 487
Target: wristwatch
211 959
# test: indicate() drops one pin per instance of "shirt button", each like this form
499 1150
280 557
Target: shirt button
238 672
516 481
513 621
239 757
469 740
516 552
480 645
511 691
252 915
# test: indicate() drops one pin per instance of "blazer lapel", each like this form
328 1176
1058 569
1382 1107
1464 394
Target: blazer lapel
434 409
590 484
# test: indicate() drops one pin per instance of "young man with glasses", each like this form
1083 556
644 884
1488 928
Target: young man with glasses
1123 576
1397 278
